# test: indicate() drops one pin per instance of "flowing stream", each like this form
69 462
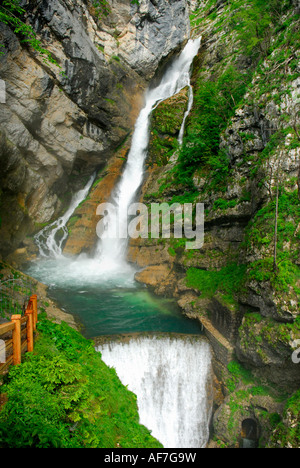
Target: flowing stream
170 375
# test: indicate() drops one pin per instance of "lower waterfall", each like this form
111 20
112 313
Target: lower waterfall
171 377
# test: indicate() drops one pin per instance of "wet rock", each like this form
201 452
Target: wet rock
159 278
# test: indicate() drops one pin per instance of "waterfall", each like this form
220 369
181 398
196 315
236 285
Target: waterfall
190 104
112 246
110 257
50 239
171 377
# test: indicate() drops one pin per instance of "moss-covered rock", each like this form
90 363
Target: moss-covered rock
166 121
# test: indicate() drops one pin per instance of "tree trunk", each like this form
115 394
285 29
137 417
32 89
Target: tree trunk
299 183
275 266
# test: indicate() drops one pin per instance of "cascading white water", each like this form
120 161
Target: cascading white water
171 377
110 257
112 246
190 104
48 240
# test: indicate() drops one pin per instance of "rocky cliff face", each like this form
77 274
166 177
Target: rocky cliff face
58 125
240 158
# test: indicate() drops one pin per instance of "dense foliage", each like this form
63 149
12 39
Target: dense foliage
217 99
12 14
228 280
64 396
214 104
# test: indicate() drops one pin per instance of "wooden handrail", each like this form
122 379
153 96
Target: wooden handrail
15 326
6 327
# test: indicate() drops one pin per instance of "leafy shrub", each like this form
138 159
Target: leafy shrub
12 14
64 396
214 103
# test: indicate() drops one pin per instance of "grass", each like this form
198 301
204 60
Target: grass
228 280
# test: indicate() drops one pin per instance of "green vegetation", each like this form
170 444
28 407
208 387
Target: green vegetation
237 374
260 233
214 104
254 27
15 290
166 121
101 7
64 396
257 331
288 435
12 14
279 430
227 280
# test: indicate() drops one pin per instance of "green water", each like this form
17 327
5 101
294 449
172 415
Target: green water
108 306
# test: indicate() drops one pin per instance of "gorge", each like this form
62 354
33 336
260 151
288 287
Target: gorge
167 364
227 136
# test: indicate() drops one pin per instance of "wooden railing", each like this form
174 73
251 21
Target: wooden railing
16 336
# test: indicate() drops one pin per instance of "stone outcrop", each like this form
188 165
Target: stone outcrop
144 32
82 236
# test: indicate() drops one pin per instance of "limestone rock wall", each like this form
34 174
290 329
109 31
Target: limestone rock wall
60 124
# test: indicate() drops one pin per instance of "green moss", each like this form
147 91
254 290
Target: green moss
228 280
222 204
286 433
166 121
102 8
214 104
237 373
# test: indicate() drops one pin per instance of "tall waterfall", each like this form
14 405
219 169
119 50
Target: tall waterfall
171 378
111 249
112 245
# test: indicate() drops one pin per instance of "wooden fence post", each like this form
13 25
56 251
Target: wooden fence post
29 313
33 299
16 339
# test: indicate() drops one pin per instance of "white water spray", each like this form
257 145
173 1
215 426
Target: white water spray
113 244
50 240
171 377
